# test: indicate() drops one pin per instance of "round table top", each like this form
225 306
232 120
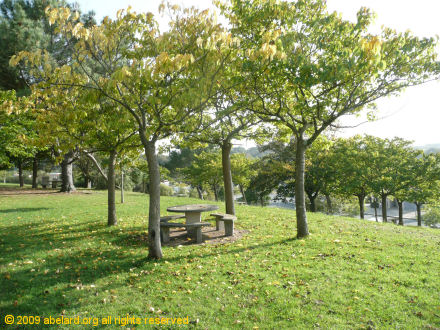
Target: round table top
193 208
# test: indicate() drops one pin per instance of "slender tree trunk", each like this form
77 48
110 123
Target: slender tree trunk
384 208
329 204
34 172
214 187
111 190
262 201
227 177
361 198
200 192
375 214
20 174
419 214
67 173
155 248
88 182
242 194
400 204
122 186
300 201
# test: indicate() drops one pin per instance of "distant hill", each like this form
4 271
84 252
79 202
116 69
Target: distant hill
253 152
430 148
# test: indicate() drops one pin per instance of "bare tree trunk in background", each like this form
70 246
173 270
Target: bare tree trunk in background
300 200
312 199
329 204
214 187
361 198
199 191
34 172
384 208
155 248
419 214
122 186
20 174
400 204
375 214
67 173
111 187
227 177
242 194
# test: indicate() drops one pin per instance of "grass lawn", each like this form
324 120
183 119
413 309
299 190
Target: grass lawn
58 257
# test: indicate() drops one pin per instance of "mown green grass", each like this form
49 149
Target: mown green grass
58 257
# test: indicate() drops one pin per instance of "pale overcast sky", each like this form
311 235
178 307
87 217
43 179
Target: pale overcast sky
415 115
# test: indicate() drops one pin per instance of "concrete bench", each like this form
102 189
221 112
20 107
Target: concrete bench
225 221
165 229
167 218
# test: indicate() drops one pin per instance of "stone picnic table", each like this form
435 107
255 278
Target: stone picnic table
193 214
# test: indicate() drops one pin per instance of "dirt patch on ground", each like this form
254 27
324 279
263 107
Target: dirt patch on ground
179 236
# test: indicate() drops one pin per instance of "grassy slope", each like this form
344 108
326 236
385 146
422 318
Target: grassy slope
350 273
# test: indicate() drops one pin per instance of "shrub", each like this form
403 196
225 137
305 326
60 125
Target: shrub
432 215
166 190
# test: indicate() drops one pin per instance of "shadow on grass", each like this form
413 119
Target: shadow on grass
55 285
77 268
24 209
135 241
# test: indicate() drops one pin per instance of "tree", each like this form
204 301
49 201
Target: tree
89 125
18 135
423 177
352 161
205 169
227 118
242 171
24 27
390 161
163 80
308 68
319 170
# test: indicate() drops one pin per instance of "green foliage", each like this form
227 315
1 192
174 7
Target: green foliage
242 169
432 215
206 169
166 190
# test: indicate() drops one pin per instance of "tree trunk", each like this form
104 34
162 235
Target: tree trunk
111 190
312 199
155 248
214 187
88 182
300 201
329 204
361 198
375 214
200 192
34 172
400 204
384 208
419 214
67 173
122 186
242 194
227 177
262 201
20 174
